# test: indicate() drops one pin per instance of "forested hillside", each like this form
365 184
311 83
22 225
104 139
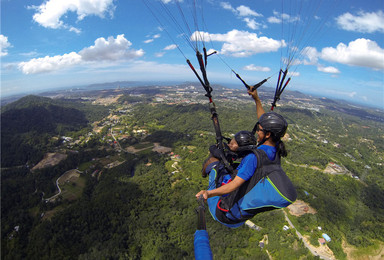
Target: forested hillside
28 124
137 167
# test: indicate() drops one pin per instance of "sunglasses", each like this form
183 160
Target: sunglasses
257 127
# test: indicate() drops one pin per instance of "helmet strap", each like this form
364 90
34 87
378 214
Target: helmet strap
262 141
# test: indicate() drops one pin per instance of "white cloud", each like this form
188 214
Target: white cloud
252 67
48 64
29 54
148 41
246 11
228 6
282 17
241 43
293 73
293 62
311 55
166 48
159 54
363 22
75 30
4 45
243 11
273 19
50 13
334 92
361 52
329 69
112 49
170 47
251 23
152 38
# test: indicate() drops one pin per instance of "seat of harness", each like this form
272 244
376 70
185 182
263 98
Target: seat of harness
265 166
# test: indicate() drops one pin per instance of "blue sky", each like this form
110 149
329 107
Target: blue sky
338 46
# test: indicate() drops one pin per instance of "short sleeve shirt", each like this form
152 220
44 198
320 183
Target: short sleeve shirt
248 165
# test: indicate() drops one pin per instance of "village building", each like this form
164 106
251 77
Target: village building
326 237
252 225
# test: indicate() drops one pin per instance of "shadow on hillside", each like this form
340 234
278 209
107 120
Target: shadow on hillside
167 138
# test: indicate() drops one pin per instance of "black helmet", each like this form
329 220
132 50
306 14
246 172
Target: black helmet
244 138
274 123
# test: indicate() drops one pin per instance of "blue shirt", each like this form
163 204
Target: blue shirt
248 165
264 194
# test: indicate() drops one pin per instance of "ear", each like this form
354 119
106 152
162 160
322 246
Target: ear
268 135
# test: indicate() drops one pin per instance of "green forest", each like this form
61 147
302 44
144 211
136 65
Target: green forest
143 207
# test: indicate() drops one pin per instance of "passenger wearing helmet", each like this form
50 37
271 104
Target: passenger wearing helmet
226 197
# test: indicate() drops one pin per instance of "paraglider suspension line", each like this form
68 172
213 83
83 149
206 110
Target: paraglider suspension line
281 85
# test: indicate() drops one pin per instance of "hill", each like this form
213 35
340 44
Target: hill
28 125
40 114
140 205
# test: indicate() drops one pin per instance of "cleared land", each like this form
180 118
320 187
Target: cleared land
299 208
49 160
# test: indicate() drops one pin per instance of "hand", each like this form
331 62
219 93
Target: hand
204 193
253 93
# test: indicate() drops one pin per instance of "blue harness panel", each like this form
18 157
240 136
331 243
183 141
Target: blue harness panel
268 189
264 194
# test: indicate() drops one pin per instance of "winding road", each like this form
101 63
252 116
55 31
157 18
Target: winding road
307 245
58 187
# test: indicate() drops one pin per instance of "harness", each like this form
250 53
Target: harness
269 188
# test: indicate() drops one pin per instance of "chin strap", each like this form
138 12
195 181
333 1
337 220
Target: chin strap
262 142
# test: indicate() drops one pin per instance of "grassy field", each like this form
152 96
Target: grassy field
72 185
374 252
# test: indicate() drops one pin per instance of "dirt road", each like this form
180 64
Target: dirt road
314 250
66 175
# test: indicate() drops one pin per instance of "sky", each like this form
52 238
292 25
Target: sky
332 48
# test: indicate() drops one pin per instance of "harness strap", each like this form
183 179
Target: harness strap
220 208
263 169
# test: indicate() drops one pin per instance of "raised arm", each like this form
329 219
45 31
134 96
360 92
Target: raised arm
259 107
